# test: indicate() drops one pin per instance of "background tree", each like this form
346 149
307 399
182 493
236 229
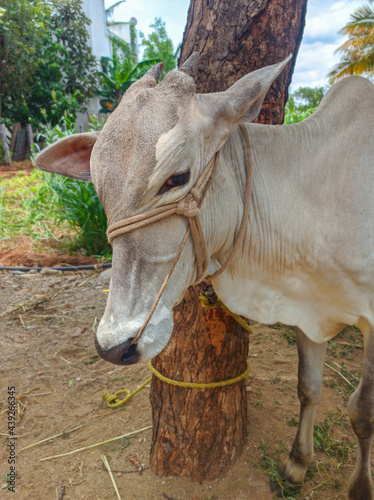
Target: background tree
308 97
22 27
207 432
358 51
159 46
302 103
64 73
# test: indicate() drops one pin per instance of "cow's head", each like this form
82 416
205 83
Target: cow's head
150 152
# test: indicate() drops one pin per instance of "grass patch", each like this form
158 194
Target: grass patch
342 361
76 203
270 467
39 204
42 206
325 441
18 217
331 440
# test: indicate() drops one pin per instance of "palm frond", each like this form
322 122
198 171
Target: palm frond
361 18
357 64
358 51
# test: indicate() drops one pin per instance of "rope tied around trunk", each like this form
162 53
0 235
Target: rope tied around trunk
113 401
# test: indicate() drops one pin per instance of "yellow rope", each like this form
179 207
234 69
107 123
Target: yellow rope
113 401
193 385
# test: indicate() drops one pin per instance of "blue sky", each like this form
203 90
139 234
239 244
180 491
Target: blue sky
316 55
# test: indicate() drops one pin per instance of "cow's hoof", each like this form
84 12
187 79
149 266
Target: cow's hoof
282 489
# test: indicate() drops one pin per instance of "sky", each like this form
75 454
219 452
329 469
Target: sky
316 55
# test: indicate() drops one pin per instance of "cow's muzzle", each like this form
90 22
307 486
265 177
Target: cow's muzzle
123 354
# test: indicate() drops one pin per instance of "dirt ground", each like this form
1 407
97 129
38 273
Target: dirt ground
16 166
19 256
48 355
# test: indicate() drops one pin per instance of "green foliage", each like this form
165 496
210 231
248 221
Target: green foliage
76 203
121 50
357 53
308 97
296 115
117 75
64 69
22 27
302 103
159 46
71 201
269 466
18 216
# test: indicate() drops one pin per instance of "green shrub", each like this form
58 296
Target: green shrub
76 203
71 201
296 115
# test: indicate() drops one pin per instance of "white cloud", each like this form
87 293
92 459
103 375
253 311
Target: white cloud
313 63
317 51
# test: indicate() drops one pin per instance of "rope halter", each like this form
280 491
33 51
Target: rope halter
189 206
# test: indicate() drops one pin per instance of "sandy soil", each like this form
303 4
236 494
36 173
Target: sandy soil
16 166
18 257
48 355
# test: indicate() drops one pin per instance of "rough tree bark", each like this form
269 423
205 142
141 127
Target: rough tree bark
3 140
235 38
200 433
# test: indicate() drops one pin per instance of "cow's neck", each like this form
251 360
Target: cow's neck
276 221
273 264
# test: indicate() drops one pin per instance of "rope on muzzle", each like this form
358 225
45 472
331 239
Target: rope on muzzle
189 206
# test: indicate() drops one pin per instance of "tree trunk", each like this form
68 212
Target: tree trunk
200 433
3 140
30 137
235 38
16 128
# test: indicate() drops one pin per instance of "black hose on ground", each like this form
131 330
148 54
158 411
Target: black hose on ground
64 268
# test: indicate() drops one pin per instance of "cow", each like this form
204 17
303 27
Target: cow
307 255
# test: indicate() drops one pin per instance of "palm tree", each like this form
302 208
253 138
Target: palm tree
358 50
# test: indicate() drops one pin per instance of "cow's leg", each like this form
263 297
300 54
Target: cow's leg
361 415
311 358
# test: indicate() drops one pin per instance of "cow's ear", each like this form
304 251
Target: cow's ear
69 156
242 102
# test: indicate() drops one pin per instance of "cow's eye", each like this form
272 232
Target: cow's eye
174 181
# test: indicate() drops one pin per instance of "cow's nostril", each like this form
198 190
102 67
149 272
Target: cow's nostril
122 354
131 355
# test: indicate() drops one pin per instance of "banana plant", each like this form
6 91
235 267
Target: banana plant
116 77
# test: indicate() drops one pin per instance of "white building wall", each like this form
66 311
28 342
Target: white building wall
123 31
98 31
101 47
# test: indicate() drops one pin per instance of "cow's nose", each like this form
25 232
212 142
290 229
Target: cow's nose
123 354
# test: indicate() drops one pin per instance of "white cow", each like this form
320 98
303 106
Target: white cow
307 258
